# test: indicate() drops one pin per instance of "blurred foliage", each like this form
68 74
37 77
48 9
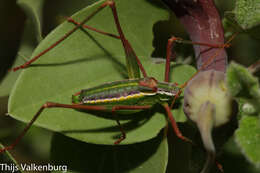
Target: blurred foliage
244 87
10 32
247 13
46 15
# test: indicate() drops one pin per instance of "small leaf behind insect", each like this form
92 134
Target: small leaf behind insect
88 59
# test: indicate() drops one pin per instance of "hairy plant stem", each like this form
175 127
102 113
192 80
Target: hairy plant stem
201 20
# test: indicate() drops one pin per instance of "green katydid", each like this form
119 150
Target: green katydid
130 95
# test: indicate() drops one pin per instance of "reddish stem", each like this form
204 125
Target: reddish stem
201 20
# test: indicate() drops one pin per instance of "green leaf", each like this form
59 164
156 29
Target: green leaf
247 13
149 156
248 138
243 86
88 59
6 159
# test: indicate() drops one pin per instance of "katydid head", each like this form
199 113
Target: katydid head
149 82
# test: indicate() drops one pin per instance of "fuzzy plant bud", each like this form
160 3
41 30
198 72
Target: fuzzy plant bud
208 103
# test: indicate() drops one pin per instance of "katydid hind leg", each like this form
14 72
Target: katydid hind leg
38 113
69 19
72 106
132 61
169 54
65 36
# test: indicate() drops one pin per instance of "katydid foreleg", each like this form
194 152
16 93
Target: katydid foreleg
170 46
168 58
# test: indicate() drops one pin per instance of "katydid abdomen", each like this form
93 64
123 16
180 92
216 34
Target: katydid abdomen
139 92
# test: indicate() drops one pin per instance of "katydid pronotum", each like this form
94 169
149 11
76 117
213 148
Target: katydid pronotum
137 94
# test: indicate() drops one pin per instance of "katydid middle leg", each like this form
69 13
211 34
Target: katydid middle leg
125 107
132 61
169 114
